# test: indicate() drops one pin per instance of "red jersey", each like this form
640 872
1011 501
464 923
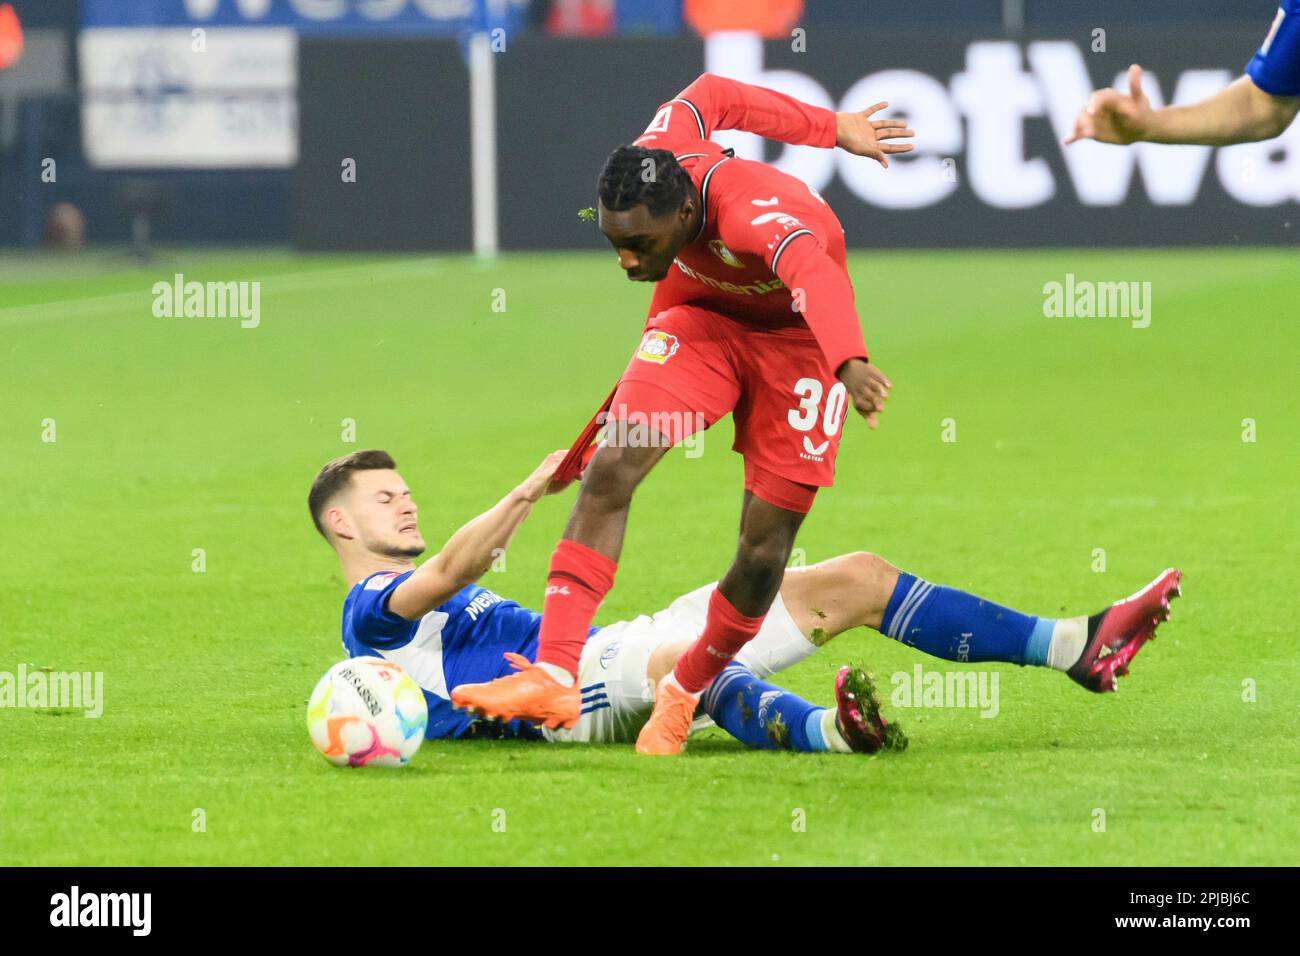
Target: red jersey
765 234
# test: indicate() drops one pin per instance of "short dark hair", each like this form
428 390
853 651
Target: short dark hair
336 475
624 182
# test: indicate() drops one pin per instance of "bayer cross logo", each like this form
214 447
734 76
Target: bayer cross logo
657 347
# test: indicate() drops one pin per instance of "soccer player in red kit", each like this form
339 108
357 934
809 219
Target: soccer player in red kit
753 314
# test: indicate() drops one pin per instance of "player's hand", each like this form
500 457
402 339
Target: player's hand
868 387
860 135
539 483
1112 116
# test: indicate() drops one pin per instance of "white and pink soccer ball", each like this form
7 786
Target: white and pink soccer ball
367 712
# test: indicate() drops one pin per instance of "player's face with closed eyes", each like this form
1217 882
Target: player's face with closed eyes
384 513
646 244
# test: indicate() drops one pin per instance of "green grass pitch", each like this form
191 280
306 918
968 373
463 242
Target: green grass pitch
1072 435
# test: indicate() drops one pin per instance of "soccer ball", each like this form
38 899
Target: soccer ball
367 712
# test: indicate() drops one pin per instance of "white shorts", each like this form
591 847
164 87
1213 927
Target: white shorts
617 695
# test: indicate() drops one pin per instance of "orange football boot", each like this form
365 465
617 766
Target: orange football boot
532 695
670 723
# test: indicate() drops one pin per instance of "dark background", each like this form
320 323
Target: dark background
412 150
400 107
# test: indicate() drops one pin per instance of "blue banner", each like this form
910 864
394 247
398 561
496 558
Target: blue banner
346 17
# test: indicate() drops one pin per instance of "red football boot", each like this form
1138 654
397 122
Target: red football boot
1118 633
858 717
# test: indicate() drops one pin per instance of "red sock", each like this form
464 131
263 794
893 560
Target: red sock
577 582
726 631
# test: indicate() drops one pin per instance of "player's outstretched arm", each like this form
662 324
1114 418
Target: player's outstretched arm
469 552
716 102
1239 113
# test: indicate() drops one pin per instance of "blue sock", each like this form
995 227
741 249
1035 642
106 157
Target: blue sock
762 715
957 626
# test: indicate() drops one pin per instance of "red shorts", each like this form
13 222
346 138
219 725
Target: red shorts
693 366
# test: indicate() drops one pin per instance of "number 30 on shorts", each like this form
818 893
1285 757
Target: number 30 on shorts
809 391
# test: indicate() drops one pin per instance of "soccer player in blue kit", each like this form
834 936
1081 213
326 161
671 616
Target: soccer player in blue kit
444 630
1257 106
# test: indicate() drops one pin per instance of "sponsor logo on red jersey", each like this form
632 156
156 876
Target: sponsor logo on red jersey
754 288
